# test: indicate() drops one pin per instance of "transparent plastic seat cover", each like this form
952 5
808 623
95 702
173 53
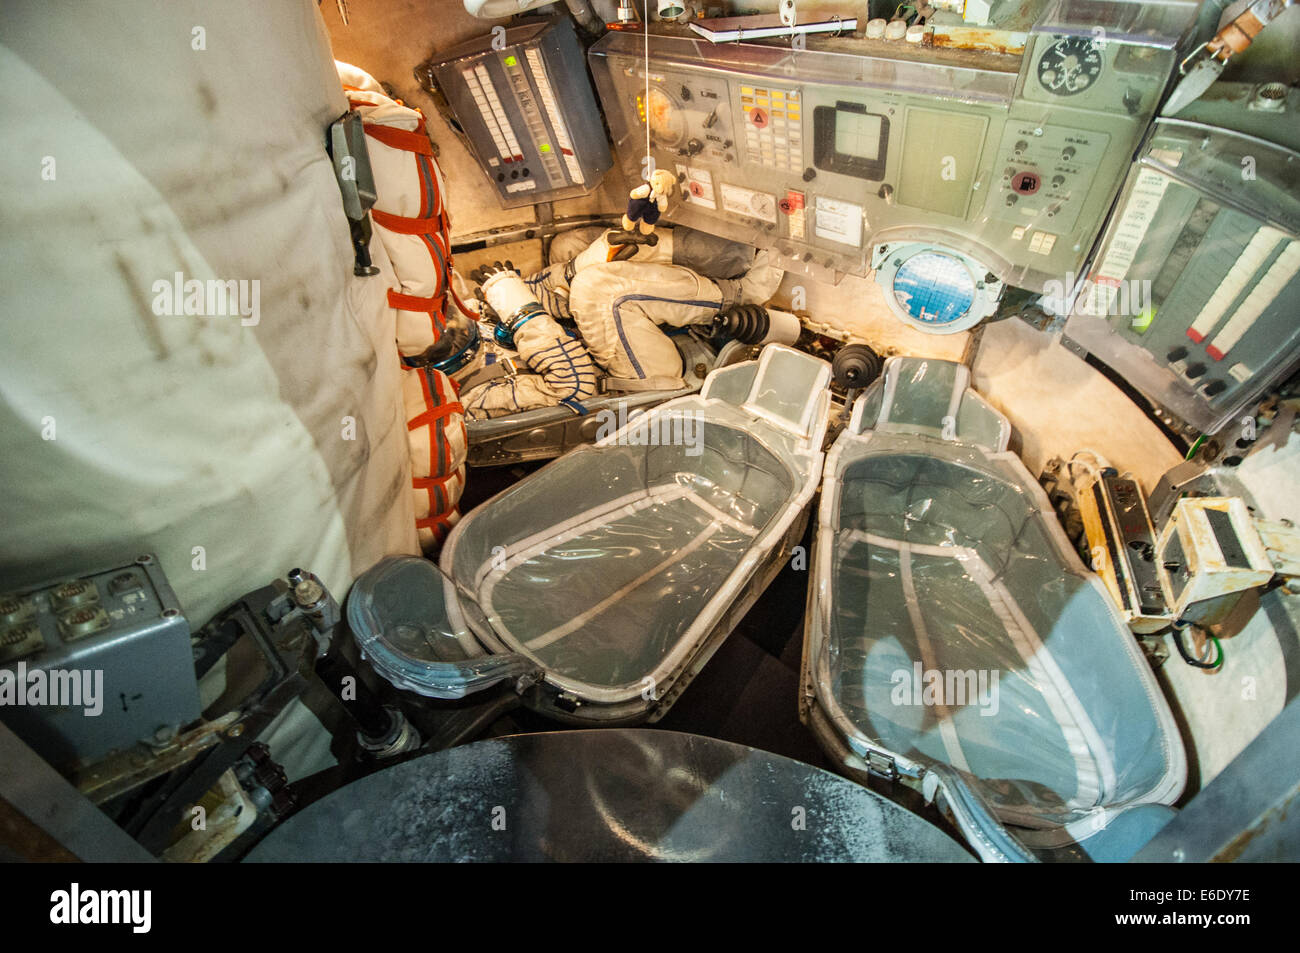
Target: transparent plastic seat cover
608 566
397 611
955 626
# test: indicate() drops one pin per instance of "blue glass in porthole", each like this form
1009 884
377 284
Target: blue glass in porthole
934 288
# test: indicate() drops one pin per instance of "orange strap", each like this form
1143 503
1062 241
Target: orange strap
433 483
461 304
435 414
405 302
406 140
407 226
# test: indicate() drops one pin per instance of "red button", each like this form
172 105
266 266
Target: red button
1026 183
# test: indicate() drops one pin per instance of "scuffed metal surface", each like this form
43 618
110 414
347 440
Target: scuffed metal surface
977 38
605 795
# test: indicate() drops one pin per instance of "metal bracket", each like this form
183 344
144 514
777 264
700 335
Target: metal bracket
882 766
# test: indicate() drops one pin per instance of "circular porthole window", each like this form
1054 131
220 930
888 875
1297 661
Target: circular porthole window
934 289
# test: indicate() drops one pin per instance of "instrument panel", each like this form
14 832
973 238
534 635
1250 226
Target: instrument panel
1193 293
823 155
529 118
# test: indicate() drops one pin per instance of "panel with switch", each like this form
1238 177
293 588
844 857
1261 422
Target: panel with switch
824 156
1193 293
117 635
1044 173
530 118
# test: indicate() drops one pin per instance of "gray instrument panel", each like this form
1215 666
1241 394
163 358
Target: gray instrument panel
821 154
1193 293
122 627
528 111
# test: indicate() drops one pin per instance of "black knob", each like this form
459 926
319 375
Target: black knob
686 94
1177 354
855 366
809 174
1195 370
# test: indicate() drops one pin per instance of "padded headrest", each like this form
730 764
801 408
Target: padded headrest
785 387
932 397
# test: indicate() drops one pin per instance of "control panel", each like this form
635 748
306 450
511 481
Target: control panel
94 664
824 154
1193 292
1047 169
527 109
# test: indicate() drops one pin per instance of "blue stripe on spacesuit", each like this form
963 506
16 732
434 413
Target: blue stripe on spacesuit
426 208
544 363
618 320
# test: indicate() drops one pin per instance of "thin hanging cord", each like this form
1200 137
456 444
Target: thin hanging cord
645 29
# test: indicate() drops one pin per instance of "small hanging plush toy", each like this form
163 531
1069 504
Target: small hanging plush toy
647 202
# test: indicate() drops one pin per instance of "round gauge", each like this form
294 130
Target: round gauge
667 121
1070 65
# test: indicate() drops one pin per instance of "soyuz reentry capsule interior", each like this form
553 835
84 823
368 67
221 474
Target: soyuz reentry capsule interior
610 430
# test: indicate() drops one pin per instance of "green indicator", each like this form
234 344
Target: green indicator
1143 320
511 61
546 147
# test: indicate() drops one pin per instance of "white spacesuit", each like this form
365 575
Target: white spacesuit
411 223
527 360
583 326
617 310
